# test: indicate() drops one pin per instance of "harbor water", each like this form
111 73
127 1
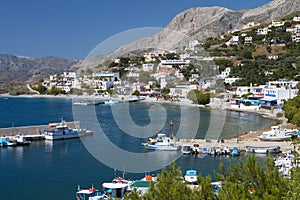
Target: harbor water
53 170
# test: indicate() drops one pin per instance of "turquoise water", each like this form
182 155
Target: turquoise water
52 170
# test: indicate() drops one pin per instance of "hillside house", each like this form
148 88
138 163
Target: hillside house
148 67
248 40
296 19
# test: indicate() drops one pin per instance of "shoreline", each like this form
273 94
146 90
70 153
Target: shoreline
248 136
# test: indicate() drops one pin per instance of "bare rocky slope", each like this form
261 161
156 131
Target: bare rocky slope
203 22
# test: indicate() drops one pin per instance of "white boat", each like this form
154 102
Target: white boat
109 101
275 134
22 140
117 188
186 150
263 149
90 194
191 176
61 131
162 142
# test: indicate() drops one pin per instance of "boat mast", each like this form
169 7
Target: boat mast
171 128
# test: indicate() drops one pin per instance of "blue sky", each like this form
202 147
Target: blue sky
72 28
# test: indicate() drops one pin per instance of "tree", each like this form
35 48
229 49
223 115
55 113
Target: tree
251 180
292 110
136 93
199 97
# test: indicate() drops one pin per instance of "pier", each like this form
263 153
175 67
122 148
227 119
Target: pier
241 144
32 132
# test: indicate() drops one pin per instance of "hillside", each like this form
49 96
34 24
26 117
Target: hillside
203 22
16 68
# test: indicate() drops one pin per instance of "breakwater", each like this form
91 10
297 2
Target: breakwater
32 130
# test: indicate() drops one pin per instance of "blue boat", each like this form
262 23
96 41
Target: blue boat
235 152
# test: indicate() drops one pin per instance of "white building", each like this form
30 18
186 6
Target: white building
233 41
107 76
230 81
148 67
182 90
175 62
248 40
277 23
296 19
279 94
282 83
224 74
262 31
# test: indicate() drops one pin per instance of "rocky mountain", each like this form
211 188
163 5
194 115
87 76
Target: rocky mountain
17 68
203 22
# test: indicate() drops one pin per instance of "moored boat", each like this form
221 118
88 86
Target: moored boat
117 188
276 134
61 131
263 149
21 140
162 143
191 176
235 151
5 142
186 150
90 194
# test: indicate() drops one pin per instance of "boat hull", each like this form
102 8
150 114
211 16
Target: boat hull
162 147
263 150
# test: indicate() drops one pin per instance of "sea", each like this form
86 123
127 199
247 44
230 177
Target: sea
54 170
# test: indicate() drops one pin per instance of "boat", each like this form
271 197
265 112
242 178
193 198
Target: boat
276 134
109 101
5 142
235 151
144 184
21 140
61 131
263 149
191 176
187 150
90 194
162 142
117 188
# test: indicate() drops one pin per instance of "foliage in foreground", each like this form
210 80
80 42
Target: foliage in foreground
242 180
292 110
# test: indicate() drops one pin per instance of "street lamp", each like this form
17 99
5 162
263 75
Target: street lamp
237 133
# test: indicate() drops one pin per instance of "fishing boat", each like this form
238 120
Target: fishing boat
191 176
21 140
263 149
90 194
276 134
162 142
61 131
117 188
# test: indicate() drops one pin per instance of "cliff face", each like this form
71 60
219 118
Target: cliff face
203 22
15 68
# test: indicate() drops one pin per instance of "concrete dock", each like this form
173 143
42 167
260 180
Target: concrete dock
241 144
